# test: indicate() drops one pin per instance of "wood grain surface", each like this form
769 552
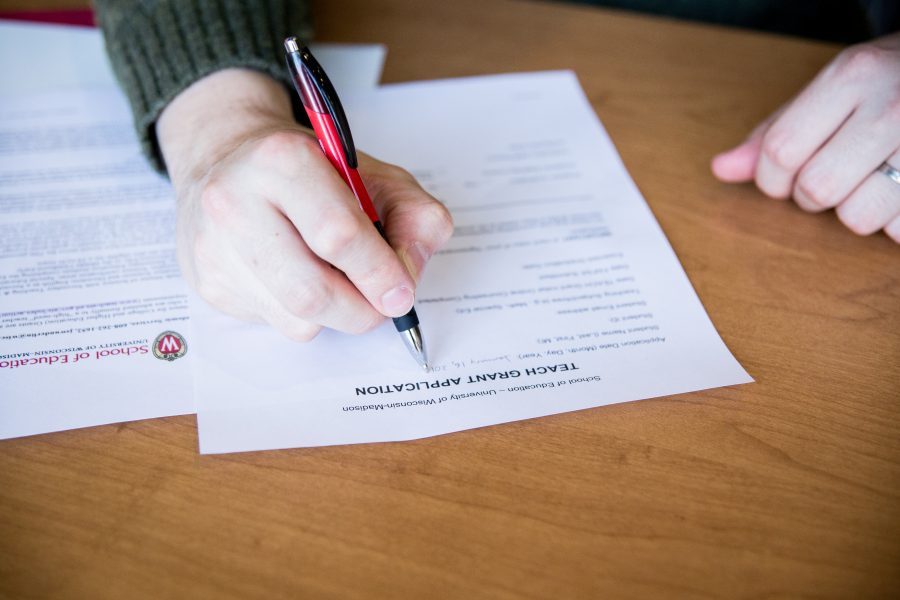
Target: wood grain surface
785 488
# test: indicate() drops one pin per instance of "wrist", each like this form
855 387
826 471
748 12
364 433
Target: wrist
215 115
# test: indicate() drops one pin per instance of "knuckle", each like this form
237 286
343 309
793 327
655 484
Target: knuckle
300 331
777 146
860 61
859 227
217 201
869 225
380 272
285 146
891 117
308 300
858 224
442 221
771 189
817 188
368 324
336 237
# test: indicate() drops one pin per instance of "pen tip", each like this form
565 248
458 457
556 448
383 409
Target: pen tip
291 45
412 337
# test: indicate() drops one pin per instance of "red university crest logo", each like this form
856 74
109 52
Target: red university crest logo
169 345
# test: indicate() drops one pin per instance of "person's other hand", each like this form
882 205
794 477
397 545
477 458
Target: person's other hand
267 229
824 147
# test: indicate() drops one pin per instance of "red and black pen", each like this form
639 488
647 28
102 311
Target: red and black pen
330 124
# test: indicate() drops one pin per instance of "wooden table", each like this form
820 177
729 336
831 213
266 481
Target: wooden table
788 487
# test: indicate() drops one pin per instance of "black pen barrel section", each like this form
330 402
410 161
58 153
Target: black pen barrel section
407 321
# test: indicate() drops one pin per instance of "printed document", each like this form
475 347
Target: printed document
94 322
557 292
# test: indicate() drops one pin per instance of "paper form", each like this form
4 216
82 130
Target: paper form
557 292
93 313
88 277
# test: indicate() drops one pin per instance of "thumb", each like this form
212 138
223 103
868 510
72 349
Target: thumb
739 163
417 225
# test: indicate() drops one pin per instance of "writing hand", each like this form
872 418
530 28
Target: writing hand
824 147
267 229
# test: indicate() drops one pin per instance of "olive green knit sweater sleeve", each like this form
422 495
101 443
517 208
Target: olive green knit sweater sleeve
159 47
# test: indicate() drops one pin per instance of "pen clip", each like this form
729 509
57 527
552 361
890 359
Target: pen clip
315 74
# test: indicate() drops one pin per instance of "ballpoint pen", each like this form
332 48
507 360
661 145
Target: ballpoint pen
329 122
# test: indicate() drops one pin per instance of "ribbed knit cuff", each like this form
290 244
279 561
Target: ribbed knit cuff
158 48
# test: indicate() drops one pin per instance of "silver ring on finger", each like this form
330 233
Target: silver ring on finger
890 171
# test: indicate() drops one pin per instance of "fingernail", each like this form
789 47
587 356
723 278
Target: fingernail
397 301
415 258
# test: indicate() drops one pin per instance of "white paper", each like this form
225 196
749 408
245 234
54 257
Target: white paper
88 277
36 57
558 291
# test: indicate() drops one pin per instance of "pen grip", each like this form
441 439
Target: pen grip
331 146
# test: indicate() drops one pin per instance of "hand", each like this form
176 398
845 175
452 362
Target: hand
267 229
824 146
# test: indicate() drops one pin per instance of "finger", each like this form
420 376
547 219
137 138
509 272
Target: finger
806 124
313 197
225 290
845 161
892 229
302 284
272 250
289 325
738 164
873 205
229 285
339 233
226 295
